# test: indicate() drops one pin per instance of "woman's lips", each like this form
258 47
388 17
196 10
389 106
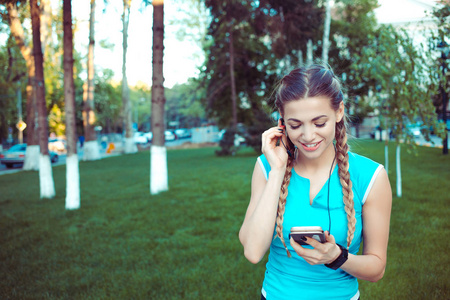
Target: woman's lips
311 146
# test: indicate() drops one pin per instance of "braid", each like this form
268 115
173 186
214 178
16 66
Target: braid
344 175
282 202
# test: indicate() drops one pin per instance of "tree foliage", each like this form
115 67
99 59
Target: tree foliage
399 69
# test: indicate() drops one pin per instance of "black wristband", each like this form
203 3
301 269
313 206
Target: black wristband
340 260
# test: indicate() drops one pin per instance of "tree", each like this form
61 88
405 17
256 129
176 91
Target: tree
440 75
183 104
269 38
47 186
108 103
130 145
32 152
72 169
353 25
91 148
326 33
158 152
400 69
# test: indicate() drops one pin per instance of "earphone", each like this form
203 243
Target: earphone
328 195
329 175
291 155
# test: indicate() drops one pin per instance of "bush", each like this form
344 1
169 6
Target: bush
227 145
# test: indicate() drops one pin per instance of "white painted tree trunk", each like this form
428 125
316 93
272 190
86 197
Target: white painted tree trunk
158 170
31 158
326 33
130 146
91 151
399 173
47 185
72 182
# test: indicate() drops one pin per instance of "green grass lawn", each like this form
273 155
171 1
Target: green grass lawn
125 244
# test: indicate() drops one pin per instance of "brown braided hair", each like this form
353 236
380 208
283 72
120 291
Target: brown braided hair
282 201
315 81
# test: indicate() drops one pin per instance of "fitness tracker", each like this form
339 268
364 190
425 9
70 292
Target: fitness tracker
340 260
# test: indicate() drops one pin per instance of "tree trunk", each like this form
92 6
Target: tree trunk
233 83
91 150
46 23
72 169
309 52
386 148
399 172
32 154
158 158
386 157
130 145
47 186
326 33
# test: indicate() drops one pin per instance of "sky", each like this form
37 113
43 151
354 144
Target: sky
181 58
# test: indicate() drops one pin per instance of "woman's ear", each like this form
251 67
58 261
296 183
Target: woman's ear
340 112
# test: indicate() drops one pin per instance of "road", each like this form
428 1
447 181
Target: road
62 156
436 142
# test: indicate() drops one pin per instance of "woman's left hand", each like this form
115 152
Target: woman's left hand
321 253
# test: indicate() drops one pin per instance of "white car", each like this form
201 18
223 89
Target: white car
140 138
168 135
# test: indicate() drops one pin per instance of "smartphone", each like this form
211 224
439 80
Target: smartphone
299 233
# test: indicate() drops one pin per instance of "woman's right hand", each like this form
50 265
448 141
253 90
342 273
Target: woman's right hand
276 155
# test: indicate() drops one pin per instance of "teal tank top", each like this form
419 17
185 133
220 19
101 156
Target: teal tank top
293 278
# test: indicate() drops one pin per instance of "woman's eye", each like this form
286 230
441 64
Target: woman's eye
320 125
295 127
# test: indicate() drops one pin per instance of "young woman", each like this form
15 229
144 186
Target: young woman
307 177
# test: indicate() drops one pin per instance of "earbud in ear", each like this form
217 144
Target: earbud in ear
290 154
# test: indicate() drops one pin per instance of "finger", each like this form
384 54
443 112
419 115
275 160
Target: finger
310 255
314 243
329 237
297 247
272 135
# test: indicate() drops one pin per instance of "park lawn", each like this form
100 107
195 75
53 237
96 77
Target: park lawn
125 244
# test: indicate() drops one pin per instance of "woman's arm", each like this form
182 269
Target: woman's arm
376 217
256 232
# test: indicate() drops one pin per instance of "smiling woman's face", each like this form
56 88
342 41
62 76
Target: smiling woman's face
311 124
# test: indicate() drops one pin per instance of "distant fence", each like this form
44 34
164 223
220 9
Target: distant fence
207 134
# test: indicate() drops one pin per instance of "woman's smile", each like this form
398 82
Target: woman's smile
311 146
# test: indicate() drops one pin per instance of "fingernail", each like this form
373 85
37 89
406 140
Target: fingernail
280 130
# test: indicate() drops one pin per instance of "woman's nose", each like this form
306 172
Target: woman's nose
308 133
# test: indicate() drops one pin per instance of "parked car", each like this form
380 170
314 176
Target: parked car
149 136
169 135
183 133
16 155
140 138
57 145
